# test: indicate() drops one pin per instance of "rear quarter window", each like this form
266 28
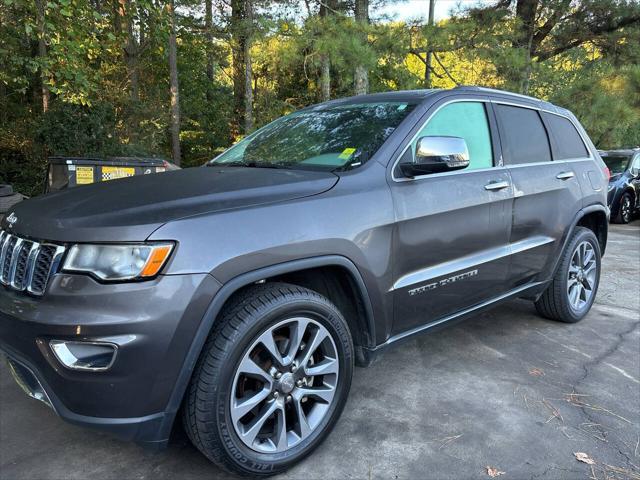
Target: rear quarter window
568 143
524 137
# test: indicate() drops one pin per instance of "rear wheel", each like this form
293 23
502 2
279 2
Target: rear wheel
272 380
571 293
625 210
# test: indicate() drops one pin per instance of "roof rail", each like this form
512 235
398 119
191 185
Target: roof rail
495 90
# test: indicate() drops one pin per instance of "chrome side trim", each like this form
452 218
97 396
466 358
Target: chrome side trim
530 243
469 261
461 313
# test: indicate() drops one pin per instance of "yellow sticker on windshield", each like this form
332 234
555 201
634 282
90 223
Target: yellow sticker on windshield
346 153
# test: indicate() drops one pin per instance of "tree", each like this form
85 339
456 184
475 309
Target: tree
427 64
42 53
248 71
241 51
208 35
327 10
174 88
544 29
101 69
361 74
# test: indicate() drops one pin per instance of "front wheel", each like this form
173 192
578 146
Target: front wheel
571 293
272 380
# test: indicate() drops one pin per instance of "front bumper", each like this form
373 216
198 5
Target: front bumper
152 323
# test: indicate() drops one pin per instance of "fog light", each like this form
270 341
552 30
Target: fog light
87 356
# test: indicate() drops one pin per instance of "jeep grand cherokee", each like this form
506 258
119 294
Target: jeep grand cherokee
238 296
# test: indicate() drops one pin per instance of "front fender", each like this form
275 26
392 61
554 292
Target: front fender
221 297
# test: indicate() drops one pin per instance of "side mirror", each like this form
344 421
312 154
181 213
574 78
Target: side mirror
436 154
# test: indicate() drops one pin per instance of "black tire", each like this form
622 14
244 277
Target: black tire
625 209
206 409
554 303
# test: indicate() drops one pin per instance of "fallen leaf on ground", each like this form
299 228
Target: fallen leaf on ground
584 458
494 472
536 372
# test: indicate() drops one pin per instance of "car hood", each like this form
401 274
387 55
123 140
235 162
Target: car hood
130 209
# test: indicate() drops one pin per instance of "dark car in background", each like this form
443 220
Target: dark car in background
624 184
238 297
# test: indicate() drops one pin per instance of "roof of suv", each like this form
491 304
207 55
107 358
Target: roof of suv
417 96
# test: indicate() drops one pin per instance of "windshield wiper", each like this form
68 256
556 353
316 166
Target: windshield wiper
251 164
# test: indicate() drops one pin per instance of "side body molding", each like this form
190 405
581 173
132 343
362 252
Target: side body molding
225 293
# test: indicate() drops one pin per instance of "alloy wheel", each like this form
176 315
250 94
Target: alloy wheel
284 385
625 209
582 277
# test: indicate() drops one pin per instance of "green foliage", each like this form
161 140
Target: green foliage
107 73
75 130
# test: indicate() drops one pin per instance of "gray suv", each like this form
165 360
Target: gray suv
238 297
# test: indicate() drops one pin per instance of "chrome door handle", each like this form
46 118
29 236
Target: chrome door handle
496 185
565 175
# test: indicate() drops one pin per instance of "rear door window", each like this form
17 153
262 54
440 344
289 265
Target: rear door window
524 138
568 143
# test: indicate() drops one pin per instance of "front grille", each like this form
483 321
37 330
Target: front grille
26 265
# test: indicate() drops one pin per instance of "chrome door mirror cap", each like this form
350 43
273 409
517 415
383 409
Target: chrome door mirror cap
437 154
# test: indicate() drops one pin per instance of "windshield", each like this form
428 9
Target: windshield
335 138
617 163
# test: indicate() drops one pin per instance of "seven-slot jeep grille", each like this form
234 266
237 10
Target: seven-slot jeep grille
25 264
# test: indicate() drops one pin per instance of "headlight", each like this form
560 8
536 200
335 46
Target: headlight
118 262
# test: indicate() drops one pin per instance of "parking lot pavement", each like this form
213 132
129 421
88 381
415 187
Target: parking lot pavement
506 389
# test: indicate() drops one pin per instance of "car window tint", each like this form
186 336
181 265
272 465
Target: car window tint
568 141
467 120
523 135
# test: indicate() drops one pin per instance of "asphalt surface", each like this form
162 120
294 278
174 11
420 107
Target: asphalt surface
507 390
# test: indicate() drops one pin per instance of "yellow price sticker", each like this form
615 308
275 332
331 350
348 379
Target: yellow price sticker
84 175
346 153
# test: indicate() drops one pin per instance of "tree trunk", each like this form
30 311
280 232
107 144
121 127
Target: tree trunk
238 49
208 35
131 52
526 11
42 52
175 91
325 77
248 72
427 65
361 74
124 18
326 9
